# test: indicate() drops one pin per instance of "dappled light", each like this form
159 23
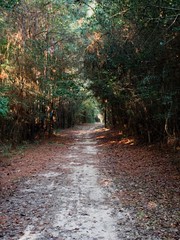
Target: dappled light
145 179
89 119
114 137
127 141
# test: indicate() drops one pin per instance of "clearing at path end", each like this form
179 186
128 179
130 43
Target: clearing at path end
90 183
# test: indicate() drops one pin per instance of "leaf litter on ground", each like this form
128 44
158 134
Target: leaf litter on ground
147 180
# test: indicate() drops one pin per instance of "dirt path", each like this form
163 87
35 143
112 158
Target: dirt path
89 183
70 200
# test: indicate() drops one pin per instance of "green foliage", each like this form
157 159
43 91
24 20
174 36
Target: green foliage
134 65
4 108
8 4
6 150
40 53
89 110
55 54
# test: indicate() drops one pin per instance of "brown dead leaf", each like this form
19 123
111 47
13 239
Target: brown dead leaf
151 205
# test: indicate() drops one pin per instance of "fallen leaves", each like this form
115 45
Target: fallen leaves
152 205
147 183
35 158
147 180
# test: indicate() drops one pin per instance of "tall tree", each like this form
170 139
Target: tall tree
134 61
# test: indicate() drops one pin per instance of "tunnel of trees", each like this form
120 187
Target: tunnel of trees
63 60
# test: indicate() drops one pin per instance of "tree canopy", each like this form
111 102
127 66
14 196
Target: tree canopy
133 64
57 56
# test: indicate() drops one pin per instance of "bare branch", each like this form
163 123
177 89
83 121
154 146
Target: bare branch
119 13
173 21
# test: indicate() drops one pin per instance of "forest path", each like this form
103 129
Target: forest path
90 183
71 198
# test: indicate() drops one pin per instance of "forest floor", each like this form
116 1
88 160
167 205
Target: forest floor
90 183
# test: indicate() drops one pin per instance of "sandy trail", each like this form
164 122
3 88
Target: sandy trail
77 203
